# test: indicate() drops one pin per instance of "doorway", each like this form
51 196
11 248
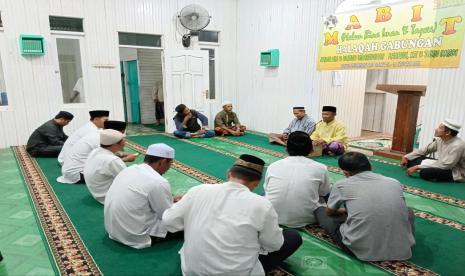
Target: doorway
142 86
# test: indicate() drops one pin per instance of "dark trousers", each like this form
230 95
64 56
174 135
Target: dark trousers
292 242
159 110
431 174
169 236
331 225
48 151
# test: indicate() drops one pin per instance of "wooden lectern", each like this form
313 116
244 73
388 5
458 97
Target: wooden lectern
408 104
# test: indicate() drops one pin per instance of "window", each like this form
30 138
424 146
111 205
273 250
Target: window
66 24
69 58
208 36
144 40
212 74
3 95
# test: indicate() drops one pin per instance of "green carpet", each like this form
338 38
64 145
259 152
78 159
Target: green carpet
22 244
427 247
162 259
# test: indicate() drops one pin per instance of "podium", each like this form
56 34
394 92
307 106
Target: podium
408 104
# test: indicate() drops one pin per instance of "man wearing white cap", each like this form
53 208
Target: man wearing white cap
227 123
137 198
103 165
73 165
448 164
301 122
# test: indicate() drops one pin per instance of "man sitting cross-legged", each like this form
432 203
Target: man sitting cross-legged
296 184
301 122
137 198
367 215
103 164
187 125
449 163
227 227
227 123
48 139
330 133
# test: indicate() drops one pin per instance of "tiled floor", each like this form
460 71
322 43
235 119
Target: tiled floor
21 242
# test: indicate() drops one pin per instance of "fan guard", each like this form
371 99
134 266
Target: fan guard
194 17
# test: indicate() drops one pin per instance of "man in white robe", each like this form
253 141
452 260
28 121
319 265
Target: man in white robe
73 165
103 165
226 226
97 119
137 198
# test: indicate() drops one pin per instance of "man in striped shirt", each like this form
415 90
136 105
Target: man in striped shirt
302 122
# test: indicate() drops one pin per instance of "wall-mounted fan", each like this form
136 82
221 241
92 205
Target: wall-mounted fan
194 18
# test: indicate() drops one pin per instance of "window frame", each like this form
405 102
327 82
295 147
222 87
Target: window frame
85 78
215 47
137 46
206 43
67 32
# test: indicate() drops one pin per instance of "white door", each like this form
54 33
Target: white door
373 112
186 82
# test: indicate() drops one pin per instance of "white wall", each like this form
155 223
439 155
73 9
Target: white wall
32 82
445 99
266 96
348 98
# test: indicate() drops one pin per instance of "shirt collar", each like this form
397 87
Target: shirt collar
236 185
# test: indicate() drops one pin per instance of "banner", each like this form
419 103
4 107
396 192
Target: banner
409 34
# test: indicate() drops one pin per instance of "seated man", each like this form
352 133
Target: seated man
330 133
48 139
73 165
302 122
187 125
97 118
449 164
136 200
227 123
295 184
103 165
227 226
375 224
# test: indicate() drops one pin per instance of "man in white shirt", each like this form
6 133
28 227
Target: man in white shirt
295 184
136 200
97 119
103 165
226 226
73 165
449 163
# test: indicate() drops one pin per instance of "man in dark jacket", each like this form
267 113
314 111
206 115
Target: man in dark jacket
48 139
187 125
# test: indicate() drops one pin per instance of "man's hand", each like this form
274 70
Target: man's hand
177 198
285 136
412 170
129 157
187 118
201 131
404 161
319 142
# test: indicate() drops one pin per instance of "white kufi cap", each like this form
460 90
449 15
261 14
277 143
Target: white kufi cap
226 103
160 150
452 124
109 137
